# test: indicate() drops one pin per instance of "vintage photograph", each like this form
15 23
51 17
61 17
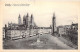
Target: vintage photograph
35 24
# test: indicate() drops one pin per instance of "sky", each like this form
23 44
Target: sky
65 12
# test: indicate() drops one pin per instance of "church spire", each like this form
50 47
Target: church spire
19 16
54 15
19 19
31 18
27 15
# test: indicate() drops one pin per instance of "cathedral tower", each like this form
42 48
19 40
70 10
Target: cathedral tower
31 21
19 20
24 20
27 20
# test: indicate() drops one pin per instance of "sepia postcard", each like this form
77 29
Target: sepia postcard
39 25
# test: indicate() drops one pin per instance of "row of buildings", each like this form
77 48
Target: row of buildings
64 30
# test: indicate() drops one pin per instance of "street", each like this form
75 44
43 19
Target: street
49 42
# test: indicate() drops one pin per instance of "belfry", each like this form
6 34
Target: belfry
53 24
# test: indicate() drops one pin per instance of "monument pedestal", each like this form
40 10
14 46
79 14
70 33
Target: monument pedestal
38 40
38 43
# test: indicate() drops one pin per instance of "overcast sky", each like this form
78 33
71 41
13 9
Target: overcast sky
65 12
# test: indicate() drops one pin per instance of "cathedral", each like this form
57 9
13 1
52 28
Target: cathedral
28 22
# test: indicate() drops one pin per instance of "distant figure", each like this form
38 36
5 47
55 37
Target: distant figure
37 33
